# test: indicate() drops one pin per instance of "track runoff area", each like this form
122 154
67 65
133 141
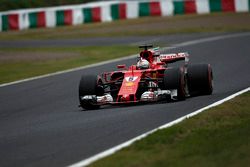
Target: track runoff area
128 143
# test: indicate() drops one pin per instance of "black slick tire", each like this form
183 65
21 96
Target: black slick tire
174 78
200 79
89 85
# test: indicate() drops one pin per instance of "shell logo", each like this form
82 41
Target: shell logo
129 84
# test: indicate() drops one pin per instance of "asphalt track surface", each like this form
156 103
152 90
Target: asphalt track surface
41 125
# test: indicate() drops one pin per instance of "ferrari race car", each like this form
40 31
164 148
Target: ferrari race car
150 80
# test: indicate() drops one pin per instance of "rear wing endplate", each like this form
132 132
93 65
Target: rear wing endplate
173 57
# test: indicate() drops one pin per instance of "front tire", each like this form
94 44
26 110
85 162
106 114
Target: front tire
174 78
90 85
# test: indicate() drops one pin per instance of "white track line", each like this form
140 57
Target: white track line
128 143
188 43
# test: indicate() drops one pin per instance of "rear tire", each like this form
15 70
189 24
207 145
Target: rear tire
174 78
90 85
200 79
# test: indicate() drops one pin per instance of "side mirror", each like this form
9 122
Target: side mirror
121 66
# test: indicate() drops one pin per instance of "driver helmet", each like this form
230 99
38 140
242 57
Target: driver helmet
142 64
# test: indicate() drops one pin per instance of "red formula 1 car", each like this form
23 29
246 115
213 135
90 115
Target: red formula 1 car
150 80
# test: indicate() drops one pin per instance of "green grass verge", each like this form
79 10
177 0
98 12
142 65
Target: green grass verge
11 70
217 137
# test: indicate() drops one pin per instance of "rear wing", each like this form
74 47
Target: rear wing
173 57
